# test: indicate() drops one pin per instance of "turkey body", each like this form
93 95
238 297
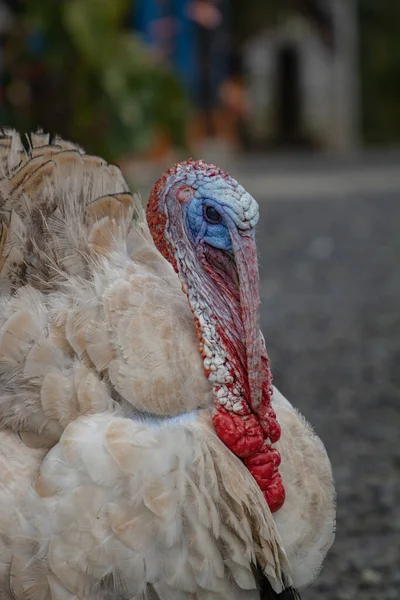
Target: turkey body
113 482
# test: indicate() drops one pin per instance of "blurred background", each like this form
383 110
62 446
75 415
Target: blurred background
300 101
143 77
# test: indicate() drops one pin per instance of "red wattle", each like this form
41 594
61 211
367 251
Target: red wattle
263 466
274 430
270 424
245 438
267 455
275 494
242 435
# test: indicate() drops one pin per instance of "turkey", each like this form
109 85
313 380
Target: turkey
144 452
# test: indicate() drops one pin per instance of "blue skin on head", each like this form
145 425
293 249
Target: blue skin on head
216 235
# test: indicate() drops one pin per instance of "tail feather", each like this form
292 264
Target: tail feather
267 593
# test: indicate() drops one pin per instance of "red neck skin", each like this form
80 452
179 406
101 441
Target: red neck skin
248 433
219 299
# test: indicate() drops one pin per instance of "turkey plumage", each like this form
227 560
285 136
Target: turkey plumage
118 479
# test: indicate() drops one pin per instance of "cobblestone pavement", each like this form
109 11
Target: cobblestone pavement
330 293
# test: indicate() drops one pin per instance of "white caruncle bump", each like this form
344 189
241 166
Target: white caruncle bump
202 320
215 359
207 351
213 333
251 212
222 372
207 363
219 360
229 404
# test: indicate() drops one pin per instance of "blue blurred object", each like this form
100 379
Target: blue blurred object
36 43
200 54
185 47
145 12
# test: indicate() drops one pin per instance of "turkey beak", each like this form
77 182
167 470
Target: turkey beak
244 248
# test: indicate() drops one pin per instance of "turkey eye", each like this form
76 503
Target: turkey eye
212 215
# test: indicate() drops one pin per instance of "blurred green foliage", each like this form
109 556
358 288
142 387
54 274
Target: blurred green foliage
71 67
380 69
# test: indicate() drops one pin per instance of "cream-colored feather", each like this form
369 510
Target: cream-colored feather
121 502
306 521
99 361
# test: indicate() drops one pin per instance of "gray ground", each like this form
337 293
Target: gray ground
330 292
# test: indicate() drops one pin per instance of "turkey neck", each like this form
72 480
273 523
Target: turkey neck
223 292
213 284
